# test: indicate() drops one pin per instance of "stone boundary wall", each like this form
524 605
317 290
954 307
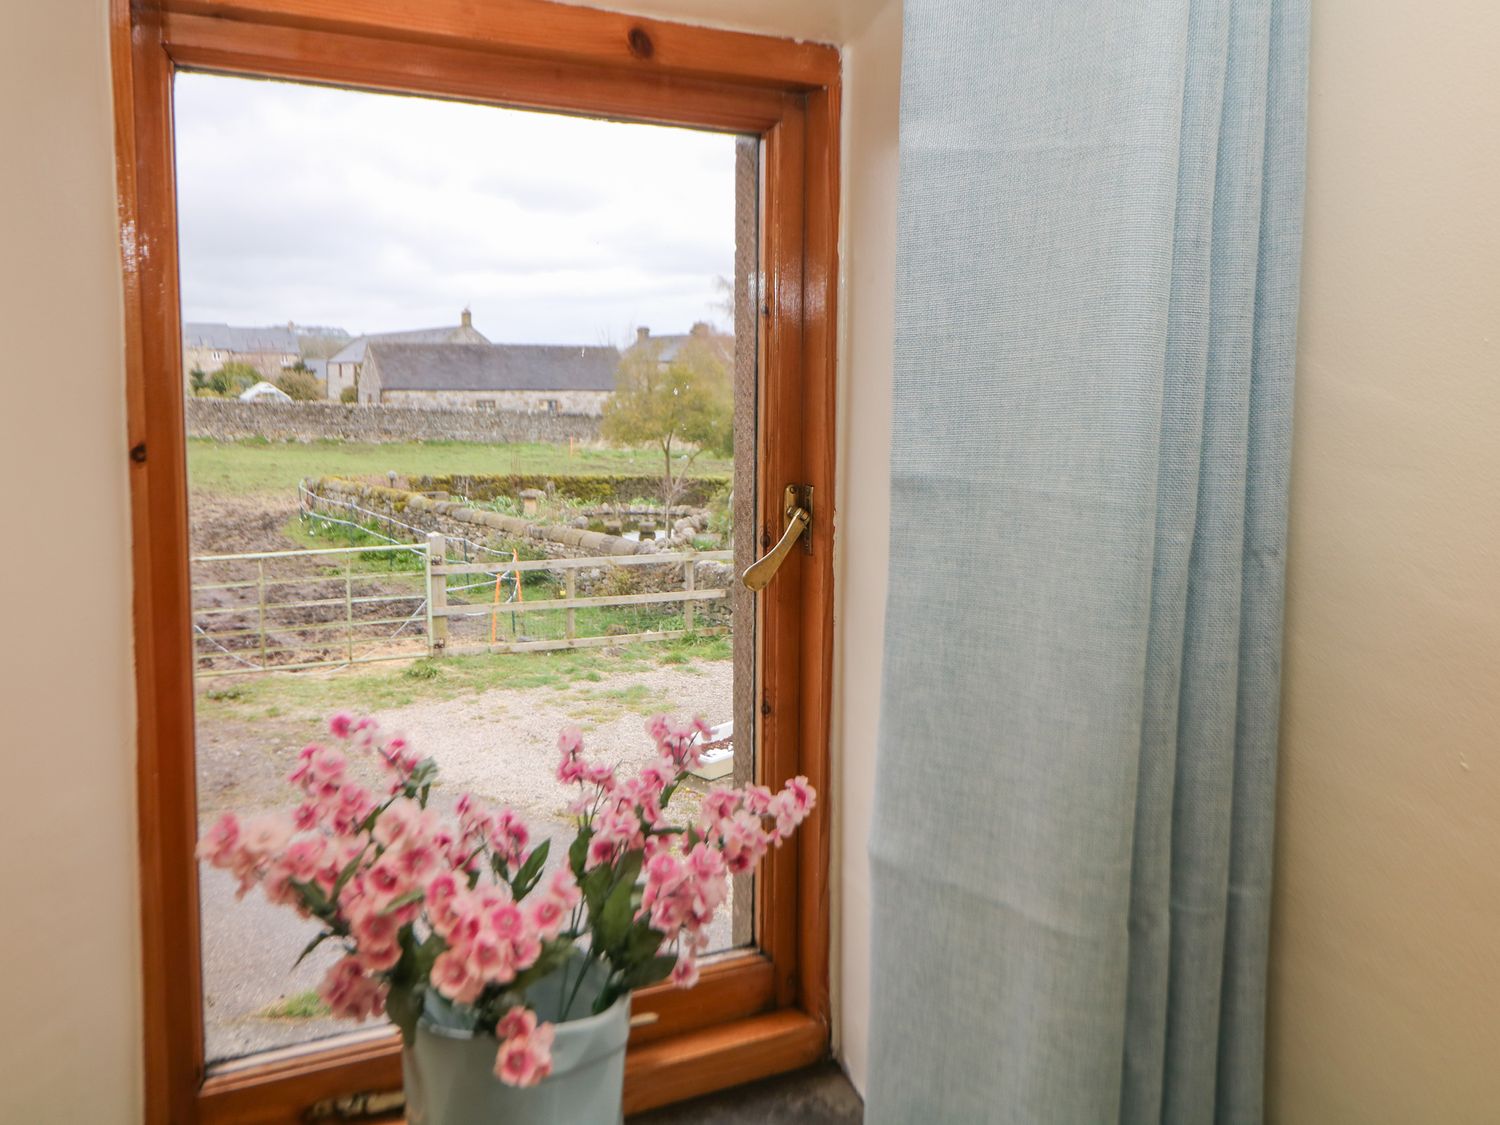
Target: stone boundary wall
591 488
232 420
456 518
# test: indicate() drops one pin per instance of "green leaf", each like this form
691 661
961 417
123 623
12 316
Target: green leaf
649 972
595 885
313 896
618 913
347 873
403 1003
628 870
422 956
317 941
397 903
531 871
643 943
578 853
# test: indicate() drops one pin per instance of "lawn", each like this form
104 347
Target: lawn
378 687
246 467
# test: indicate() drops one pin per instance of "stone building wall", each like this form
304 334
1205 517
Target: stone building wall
232 420
208 360
589 403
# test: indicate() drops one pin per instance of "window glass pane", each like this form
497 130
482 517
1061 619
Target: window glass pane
433 477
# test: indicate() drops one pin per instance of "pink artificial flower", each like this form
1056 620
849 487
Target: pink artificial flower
601 851
758 799
717 805
305 816
677 741
218 843
452 977
386 880
351 806
265 833
508 836
803 794
341 724
417 858
744 842
350 993
550 907
516 1022
303 856
397 822
506 922
685 972
492 960
600 775
525 1059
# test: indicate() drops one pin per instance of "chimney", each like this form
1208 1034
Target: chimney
641 335
466 318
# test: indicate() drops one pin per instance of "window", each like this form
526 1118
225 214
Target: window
772 992
485 403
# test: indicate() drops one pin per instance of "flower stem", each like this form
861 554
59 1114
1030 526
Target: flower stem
583 971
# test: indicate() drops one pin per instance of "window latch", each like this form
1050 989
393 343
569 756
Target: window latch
797 506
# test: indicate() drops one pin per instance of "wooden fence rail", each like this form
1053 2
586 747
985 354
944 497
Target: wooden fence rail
440 612
248 618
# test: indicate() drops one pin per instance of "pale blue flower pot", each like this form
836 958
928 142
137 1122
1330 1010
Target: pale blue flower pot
449 1069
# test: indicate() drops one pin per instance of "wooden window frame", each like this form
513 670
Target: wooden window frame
754 1013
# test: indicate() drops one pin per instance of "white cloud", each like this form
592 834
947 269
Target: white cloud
375 212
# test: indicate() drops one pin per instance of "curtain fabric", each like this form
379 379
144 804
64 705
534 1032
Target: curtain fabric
1100 229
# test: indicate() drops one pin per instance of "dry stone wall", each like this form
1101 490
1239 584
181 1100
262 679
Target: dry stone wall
232 420
456 518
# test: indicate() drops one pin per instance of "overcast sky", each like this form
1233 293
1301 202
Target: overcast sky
375 213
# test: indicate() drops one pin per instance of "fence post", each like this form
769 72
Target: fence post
260 621
689 584
570 591
437 594
349 602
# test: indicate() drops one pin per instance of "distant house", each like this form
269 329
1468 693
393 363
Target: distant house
207 347
345 365
265 392
668 348
533 378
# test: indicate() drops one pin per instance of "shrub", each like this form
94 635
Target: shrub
302 385
233 378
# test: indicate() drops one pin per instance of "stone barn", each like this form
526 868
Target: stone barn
526 378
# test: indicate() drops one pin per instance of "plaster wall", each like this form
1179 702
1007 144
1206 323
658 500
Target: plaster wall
70 1039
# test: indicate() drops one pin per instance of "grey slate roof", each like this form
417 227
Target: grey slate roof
354 351
495 367
232 338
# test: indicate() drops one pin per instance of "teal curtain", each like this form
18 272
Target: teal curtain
1100 228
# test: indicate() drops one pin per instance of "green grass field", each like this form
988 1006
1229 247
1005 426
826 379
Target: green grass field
244 467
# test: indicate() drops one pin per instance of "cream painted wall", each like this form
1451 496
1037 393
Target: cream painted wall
872 79
1385 969
69 1038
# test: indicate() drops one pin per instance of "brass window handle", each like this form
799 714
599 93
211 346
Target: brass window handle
798 509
